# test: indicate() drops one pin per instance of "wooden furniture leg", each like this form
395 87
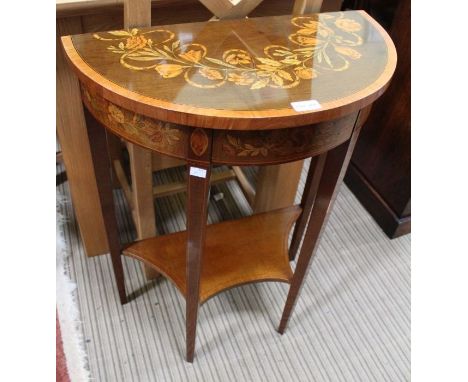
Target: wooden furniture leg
137 14
74 142
102 168
197 211
142 194
334 169
277 186
308 197
301 7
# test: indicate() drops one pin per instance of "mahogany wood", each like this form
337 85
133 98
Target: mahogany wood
380 170
199 154
336 163
365 80
119 173
102 168
282 145
93 16
308 197
331 132
237 252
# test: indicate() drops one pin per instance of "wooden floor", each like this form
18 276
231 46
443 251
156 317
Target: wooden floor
352 322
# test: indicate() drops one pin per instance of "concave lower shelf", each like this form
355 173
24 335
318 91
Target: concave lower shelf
237 252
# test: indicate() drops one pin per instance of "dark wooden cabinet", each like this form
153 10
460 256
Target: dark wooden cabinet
380 170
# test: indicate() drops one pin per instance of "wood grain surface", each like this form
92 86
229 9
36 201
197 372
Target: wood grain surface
247 81
237 252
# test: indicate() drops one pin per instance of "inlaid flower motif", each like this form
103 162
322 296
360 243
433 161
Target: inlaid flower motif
116 114
305 73
311 28
211 74
321 43
237 57
169 70
348 25
192 55
241 78
136 42
305 40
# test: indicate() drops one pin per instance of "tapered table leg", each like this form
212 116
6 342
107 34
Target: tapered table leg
102 168
334 169
197 210
308 197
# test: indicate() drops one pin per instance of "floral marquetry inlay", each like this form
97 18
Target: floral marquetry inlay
324 43
160 136
264 147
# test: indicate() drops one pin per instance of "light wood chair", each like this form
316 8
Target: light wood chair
140 193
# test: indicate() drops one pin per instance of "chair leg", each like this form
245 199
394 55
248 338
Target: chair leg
334 169
268 196
142 195
197 211
102 167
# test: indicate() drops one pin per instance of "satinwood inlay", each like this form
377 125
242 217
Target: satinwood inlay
240 74
199 142
327 42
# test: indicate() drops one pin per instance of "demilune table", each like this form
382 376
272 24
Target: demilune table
256 91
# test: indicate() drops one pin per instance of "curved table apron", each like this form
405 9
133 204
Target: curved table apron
245 92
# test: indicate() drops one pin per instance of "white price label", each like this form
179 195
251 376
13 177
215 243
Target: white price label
198 172
311 104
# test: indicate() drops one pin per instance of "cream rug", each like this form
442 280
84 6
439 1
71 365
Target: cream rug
352 322
67 306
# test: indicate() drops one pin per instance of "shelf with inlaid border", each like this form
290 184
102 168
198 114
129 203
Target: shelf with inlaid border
252 249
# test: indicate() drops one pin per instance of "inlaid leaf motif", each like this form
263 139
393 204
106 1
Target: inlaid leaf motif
350 52
116 114
267 68
120 33
260 84
241 79
237 57
211 74
325 42
192 55
199 142
284 74
293 61
175 45
348 25
143 58
268 62
277 79
147 130
169 70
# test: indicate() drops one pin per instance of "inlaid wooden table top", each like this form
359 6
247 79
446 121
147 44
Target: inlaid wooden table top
243 74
